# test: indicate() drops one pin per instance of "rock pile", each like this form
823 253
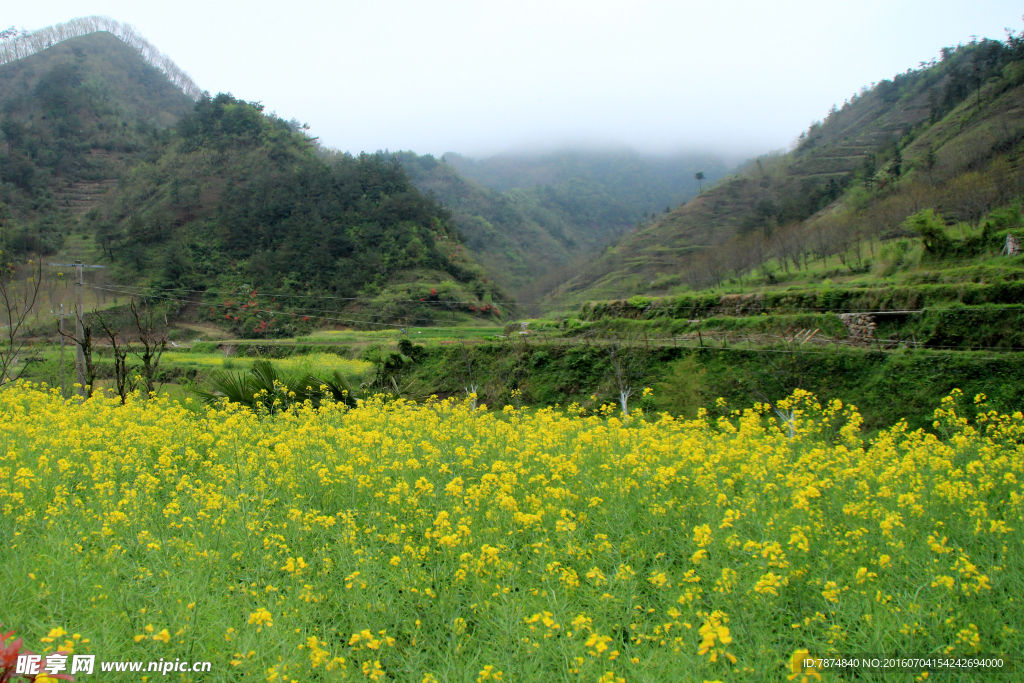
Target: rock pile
859 326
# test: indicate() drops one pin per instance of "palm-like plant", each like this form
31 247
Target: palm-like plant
338 387
262 388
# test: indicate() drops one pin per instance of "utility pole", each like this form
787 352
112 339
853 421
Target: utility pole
79 320
63 370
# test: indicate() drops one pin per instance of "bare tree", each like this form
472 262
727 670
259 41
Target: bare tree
122 381
19 298
789 245
153 346
627 365
86 343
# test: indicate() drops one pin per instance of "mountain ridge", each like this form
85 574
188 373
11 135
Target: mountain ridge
101 150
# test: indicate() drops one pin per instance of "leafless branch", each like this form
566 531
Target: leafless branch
19 298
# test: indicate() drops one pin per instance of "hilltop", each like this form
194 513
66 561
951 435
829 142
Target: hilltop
73 118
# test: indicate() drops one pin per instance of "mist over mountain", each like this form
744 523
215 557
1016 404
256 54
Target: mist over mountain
98 143
638 182
533 219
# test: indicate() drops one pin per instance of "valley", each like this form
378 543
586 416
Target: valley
576 414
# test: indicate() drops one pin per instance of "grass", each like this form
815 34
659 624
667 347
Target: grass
178 370
414 333
302 364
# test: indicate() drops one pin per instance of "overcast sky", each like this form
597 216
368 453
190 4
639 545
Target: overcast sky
485 76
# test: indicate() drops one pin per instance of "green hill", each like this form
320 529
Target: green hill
102 154
231 197
73 118
946 136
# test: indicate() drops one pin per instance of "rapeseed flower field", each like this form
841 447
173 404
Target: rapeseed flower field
434 542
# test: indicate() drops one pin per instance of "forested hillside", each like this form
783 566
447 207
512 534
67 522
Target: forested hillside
73 119
518 241
231 195
946 136
101 152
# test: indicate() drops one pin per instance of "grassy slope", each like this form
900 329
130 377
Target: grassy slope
967 300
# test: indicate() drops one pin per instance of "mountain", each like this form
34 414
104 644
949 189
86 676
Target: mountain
99 148
945 136
230 192
531 219
73 118
517 243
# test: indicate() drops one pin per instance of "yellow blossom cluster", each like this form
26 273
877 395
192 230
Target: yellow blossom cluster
442 541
